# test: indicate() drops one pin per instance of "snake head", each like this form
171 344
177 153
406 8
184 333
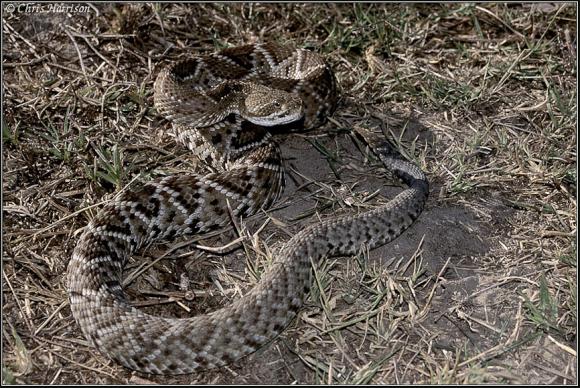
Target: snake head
268 107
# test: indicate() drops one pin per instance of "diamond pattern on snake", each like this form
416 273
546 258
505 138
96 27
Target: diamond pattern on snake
222 107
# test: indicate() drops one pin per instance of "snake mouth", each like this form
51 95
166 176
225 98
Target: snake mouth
278 118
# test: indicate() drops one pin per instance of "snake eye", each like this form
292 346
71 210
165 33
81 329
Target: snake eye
277 104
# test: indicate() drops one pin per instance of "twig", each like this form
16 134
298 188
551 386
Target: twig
78 52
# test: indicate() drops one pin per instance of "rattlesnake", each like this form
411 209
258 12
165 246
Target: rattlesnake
220 106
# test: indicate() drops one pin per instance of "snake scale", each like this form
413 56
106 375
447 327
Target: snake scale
221 106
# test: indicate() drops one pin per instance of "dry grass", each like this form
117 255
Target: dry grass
481 289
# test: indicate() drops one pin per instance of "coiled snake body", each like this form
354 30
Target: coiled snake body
221 106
